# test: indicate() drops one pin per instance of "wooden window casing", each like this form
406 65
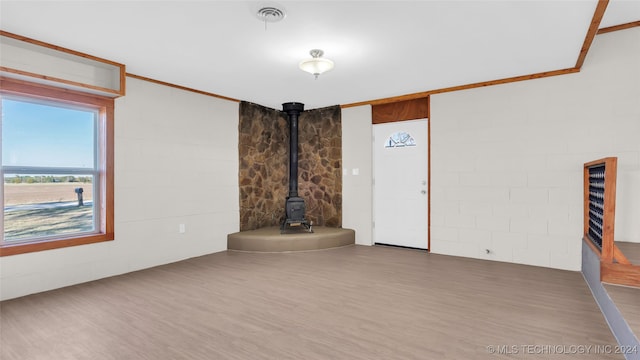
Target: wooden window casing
105 107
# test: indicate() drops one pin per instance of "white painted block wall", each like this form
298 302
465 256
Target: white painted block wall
176 162
356 185
507 159
507 167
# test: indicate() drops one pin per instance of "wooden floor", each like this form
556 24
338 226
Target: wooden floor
630 250
354 302
627 300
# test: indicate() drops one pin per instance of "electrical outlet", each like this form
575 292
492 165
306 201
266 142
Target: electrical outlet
182 229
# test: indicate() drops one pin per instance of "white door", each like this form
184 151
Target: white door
400 190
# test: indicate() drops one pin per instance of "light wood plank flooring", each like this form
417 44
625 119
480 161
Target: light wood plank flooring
350 303
627 300
630 250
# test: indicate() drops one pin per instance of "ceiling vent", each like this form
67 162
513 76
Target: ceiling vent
270 13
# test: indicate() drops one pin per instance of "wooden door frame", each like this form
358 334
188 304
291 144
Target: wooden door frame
414 109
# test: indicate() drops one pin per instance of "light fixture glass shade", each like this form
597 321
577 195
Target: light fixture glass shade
316 65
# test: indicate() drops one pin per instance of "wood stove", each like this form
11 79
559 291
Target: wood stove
294 205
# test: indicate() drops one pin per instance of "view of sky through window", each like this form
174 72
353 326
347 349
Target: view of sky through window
46 136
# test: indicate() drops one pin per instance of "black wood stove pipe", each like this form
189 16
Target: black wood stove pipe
293 109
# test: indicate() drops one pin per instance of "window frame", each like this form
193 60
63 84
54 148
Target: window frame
105 128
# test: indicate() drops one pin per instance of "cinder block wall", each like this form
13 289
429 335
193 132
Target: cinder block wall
507 160
176 163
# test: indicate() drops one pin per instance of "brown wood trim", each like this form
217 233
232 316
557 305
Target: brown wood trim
181 87
122 67
611 166
597 162
462 87
619 27
18 86
59 80
620 274
108 176
106 106
585 204
429 173
123 82
409 110
592 246
8 250
59 48
593 30
540 75
608 226
400 111
619 257
597 18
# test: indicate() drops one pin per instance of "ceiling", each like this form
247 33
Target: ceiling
381 49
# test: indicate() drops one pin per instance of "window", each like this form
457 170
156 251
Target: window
400 139
57 167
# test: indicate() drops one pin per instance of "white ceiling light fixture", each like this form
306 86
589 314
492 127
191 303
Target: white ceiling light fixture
317 64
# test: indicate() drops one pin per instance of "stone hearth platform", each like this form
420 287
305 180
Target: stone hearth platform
270 239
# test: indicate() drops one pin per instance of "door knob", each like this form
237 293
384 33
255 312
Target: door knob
423 192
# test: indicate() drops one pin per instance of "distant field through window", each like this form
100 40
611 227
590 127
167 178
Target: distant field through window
54 168
48 159
36 207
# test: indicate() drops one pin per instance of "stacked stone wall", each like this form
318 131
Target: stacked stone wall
264 165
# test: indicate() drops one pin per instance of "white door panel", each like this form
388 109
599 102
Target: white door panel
400 191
